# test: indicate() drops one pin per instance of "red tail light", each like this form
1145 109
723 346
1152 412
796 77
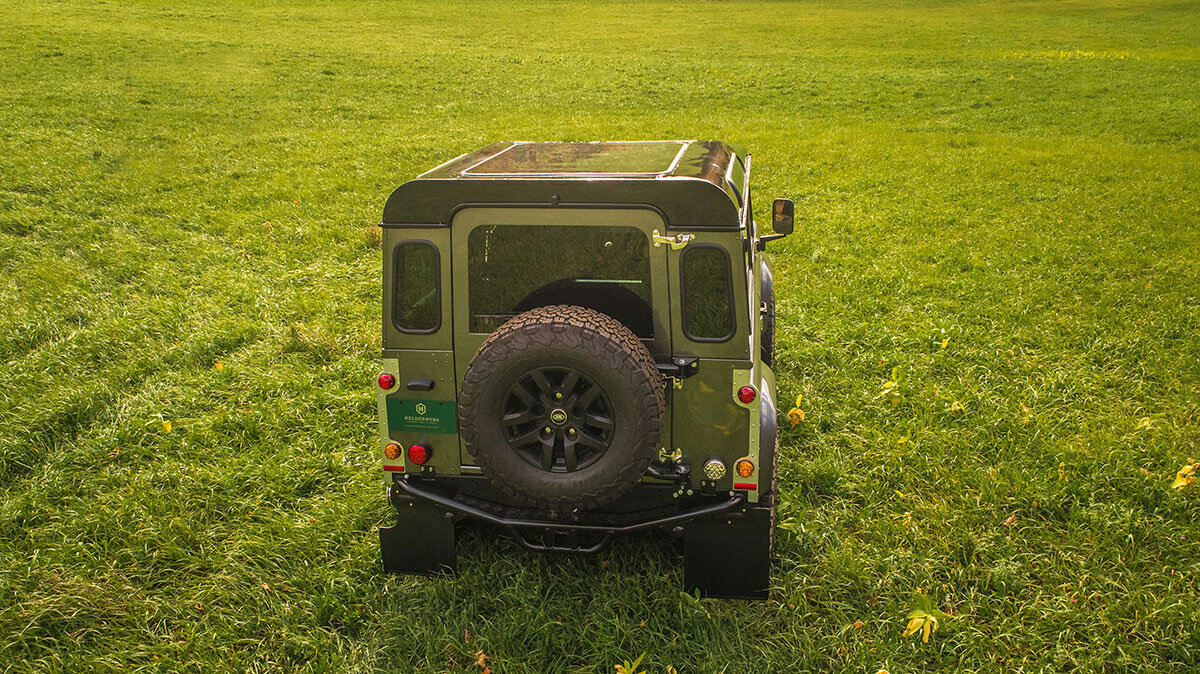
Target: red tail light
387 381
418 454
747 394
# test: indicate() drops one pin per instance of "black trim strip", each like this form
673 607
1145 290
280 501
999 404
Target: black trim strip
542 204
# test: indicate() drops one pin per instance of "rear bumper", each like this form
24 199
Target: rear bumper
727 543
548 533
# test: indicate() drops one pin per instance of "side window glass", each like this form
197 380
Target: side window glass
416 287
707 286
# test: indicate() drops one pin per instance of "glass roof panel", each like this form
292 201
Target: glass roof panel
649 158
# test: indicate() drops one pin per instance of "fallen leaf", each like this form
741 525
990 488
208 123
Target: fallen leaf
1144 423
1012 519
858 624
219 365
956 406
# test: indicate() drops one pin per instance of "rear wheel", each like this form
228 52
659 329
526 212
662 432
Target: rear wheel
562 408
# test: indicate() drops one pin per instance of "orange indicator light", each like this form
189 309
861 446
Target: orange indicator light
744 467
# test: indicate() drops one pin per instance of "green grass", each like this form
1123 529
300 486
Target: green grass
187 183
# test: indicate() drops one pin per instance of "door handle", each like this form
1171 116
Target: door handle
420 384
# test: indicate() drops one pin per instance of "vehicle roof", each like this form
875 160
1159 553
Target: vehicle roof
690 182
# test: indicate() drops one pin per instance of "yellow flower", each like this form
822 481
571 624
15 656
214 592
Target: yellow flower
796 414
219 365
925 624
1186 475
924 618
166 426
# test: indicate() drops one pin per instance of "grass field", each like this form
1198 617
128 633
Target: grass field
999 202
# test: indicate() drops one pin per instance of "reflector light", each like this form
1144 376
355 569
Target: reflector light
749 486
392 451
747 394
714 469
418 454
387 381
744 467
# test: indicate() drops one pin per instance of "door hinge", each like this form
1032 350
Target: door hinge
679 369
675 242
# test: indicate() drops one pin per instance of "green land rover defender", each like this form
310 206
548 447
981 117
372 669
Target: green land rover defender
578 342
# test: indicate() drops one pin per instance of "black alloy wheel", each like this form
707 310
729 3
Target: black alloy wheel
557 419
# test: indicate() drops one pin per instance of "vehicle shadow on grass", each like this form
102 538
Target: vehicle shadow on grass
531 611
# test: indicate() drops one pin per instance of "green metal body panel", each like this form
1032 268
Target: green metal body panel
679 185
421 417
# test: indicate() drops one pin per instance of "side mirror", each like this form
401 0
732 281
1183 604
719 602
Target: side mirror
783 218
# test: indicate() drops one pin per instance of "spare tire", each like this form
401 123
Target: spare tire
562 408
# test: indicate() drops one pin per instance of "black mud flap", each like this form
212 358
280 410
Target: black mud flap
421 541
729 556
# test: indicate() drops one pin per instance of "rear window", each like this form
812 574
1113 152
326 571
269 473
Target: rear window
514 268
707 285
416 287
